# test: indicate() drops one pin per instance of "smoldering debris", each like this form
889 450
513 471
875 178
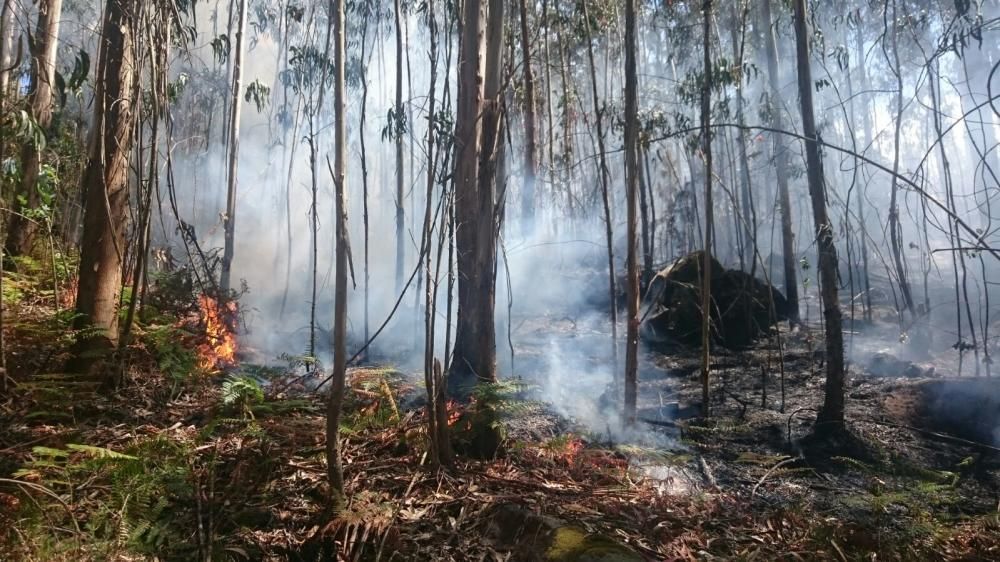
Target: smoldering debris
744 308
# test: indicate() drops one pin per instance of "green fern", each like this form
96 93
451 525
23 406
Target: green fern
241 393
129 495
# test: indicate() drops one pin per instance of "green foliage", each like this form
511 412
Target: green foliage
240 393
482 432
26 129
77 79
128 496
259 94
175 360
395 124
171 293
221 48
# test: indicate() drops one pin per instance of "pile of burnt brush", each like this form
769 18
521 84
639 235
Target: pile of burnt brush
743 308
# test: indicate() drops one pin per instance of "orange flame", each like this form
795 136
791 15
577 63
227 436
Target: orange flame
572 449
67 297
454 413
219 350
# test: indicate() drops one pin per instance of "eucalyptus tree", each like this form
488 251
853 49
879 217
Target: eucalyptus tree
8 33
530 121
780 155
475 345
44 47
604 173
831 416
105 183
631 188
399 126
232 179
706 266
335 401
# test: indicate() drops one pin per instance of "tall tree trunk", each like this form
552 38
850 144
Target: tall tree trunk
437 411
490 165
604 174
645 195
105 182
397 130
530 128
780 155
465 364
749 219
706 268
831 416
234 153
315 106
335 469
22 231
895 229
364 172
7 34
862 223
550 129
631 195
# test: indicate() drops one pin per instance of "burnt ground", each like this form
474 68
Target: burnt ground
928 448
249 482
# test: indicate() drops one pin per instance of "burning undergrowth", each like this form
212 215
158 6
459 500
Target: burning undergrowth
218 318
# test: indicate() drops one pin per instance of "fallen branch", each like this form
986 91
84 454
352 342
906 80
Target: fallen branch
771 471
934 434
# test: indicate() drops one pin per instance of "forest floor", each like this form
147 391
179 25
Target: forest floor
231 465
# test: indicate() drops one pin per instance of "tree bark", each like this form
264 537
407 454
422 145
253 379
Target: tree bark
530 128
7 33
831 416
895 229
398 132
780 155
466 365
234 154
631 194
335 469
21 235
604 173
105 183
706 268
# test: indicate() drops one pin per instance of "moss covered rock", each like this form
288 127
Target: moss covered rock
531 536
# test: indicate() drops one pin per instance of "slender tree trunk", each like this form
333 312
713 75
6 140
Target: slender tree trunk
749 219
437 411
530 127
364 170
335 469
831 416
466 364
647 238
22 231
490 165
234 154
706 269
631 194
105 181
604 173
397 127
866 120
7 34
550 130
780 155
895 229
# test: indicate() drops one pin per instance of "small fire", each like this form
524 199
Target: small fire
219 349
572 449
67 297
454 413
